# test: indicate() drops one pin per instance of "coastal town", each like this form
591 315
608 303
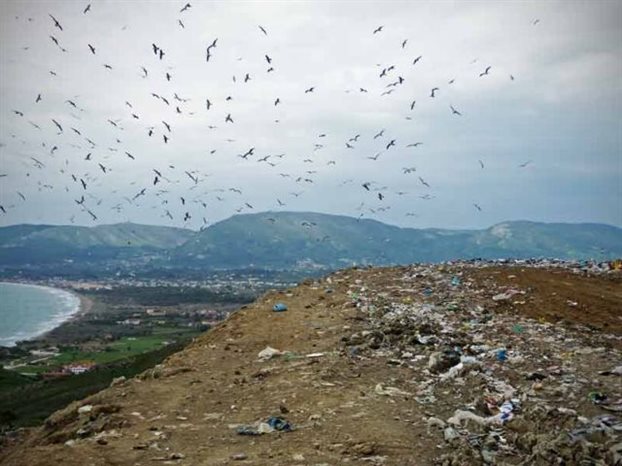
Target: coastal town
123 327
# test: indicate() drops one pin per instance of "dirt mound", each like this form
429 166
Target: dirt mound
401 366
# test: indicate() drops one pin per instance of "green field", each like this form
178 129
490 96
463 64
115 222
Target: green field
27 402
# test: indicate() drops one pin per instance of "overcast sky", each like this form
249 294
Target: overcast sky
544 146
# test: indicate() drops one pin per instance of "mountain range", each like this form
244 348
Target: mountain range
295 240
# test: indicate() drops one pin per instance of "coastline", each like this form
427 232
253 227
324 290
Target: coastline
79 306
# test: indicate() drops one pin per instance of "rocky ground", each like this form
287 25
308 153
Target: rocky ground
455 365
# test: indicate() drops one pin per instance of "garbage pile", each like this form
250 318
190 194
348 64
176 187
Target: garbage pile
498 387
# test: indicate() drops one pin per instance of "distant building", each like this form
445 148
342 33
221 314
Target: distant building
79 367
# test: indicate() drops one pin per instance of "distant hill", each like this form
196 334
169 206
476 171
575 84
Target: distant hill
298 239
294 240
44 243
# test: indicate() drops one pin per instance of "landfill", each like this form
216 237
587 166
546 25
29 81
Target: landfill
465 363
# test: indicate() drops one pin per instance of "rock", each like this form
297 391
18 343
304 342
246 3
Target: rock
85 409
118 381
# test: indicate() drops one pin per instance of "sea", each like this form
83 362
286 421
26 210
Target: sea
27 311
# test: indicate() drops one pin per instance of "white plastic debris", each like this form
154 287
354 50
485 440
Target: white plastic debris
389 391
268 353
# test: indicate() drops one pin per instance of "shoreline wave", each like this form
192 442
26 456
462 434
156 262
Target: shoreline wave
70 305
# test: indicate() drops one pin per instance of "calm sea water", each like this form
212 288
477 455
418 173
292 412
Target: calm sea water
30 310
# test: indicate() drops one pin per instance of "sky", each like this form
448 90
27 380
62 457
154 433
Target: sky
536 137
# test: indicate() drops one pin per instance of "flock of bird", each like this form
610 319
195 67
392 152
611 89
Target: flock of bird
161 184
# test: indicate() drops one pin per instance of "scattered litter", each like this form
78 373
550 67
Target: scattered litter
389 391
272 424
279 307
268 353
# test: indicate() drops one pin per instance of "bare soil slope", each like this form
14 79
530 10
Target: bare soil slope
372 375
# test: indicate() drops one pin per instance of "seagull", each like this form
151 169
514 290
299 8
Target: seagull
391 143
38 98
366 185
485 72
57 125
412 105
536 21
181 23
454 111
277 101
56 23
186 6
423 182
477 207
433 91
380 134
87 9
404 43
374 157
417 59
524 164
91 48
208 104
378 29
228 119
481 164
261 28
311 89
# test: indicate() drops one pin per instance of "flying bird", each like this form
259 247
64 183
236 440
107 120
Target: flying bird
432 93
228 119
378 29
311 89
57 125
454 111
485 72
87 9
185 7
56 23
417 59
263 30
38 99
477 207
91 48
